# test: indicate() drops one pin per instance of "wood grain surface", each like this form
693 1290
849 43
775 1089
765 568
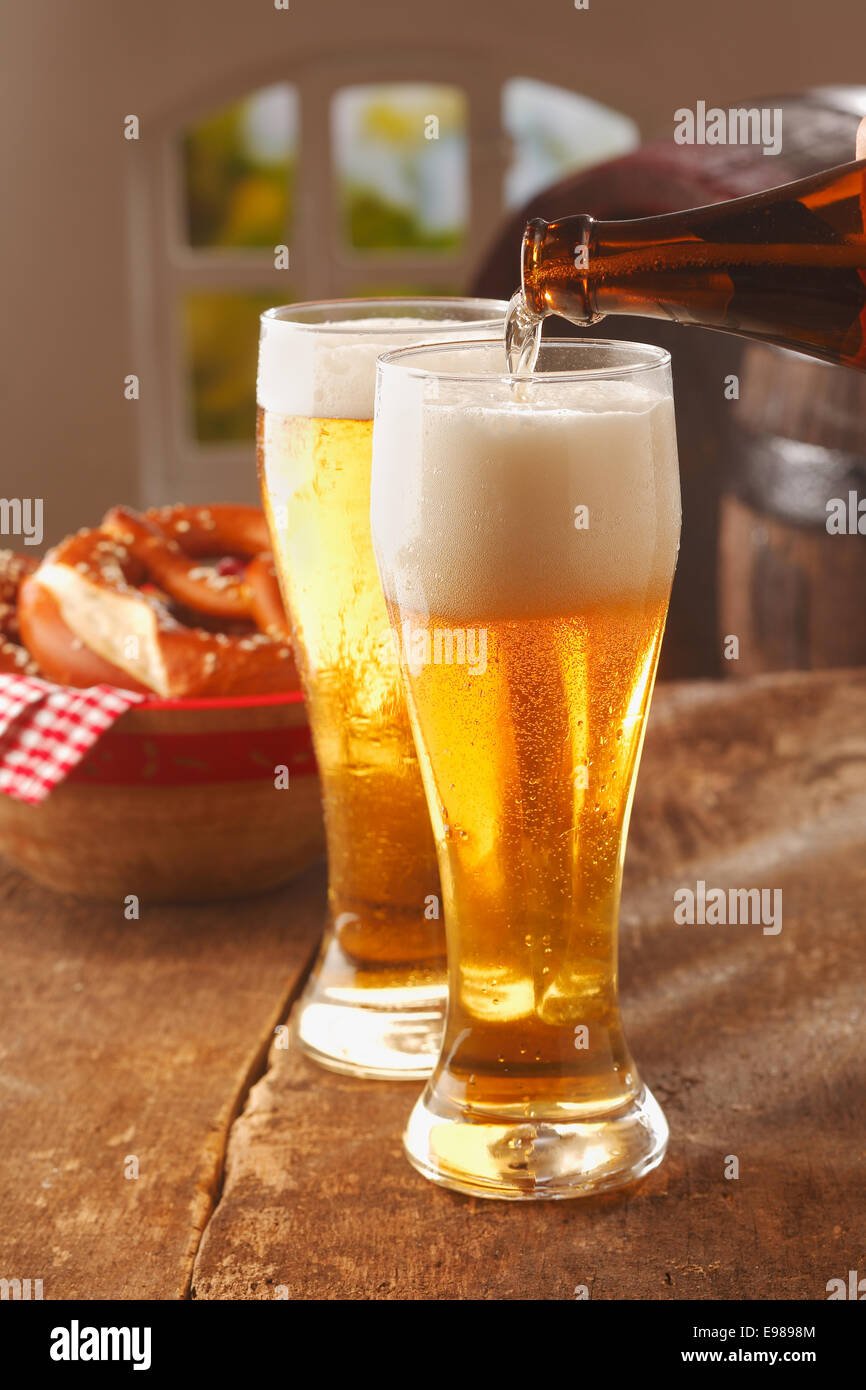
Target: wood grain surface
124 1039
149 1038
752 1042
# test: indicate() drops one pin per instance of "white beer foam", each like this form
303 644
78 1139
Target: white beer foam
485 527
328 371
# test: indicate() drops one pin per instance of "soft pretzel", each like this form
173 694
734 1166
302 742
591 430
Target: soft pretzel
220 529
171 556
63 657
231 530
85 619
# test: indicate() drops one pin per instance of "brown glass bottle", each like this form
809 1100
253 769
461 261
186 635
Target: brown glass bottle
787 266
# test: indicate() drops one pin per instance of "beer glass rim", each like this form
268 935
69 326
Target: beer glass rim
342 315
646 358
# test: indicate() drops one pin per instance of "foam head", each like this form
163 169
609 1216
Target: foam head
495 501
319 361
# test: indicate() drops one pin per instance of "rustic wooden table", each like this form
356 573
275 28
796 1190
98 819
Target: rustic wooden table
150 1046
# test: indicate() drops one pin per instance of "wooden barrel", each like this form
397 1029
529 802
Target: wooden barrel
792 560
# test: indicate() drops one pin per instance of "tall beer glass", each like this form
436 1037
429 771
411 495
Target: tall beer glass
526 532
375 1002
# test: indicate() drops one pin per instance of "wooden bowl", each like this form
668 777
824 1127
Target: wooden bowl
179 800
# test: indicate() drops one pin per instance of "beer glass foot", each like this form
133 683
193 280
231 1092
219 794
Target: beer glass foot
374 1028
534 1160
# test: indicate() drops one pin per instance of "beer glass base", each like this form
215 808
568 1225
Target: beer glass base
393 1044
536 1160
388 1030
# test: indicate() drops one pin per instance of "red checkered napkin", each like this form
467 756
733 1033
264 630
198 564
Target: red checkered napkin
46 729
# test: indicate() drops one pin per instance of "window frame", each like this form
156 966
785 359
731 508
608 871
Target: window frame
164 267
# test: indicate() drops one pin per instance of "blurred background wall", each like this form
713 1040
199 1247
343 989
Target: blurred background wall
307 128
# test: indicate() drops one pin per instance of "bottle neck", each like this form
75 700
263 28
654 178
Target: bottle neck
787 266
662 267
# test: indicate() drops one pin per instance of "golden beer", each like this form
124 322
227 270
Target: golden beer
375 1001
382 860
539 523
532 844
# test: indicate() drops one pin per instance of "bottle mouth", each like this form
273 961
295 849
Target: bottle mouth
546 265
534 234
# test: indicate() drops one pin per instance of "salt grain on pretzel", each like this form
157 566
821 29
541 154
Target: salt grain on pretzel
15 661
14 569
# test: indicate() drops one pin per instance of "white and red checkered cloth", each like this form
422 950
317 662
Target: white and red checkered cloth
46 729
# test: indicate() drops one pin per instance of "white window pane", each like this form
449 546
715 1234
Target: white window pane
402 166
555 132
